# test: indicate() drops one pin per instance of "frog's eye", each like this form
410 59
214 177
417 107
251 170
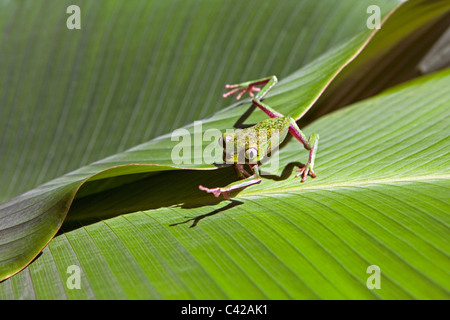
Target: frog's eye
220 141
251 153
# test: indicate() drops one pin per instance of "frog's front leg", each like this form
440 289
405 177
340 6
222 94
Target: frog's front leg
225 191
311 144
241 172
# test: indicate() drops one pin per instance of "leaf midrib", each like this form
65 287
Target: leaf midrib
343 184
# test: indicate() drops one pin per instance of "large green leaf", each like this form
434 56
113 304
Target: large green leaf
129 182
30 220
380 198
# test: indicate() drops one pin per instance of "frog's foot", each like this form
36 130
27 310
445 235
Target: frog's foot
307 169
242 89
216 191
242 173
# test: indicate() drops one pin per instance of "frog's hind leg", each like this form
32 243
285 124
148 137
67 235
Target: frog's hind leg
250 87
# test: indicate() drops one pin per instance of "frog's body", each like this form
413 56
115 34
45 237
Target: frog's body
262 137
250 145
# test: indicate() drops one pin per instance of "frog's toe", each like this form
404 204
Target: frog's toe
304 172
215 191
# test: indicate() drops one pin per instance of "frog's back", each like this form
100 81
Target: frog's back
278 126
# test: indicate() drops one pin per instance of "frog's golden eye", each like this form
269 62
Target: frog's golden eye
251 153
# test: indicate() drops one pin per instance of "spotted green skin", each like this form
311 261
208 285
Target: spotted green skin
263 137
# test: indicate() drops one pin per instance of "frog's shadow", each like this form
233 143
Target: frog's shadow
284 175
195 220
240 122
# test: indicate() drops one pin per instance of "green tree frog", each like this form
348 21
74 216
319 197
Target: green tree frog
250 145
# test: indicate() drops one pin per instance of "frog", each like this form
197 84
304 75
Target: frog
251 145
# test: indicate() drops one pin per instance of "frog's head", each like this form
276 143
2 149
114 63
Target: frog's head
238 148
